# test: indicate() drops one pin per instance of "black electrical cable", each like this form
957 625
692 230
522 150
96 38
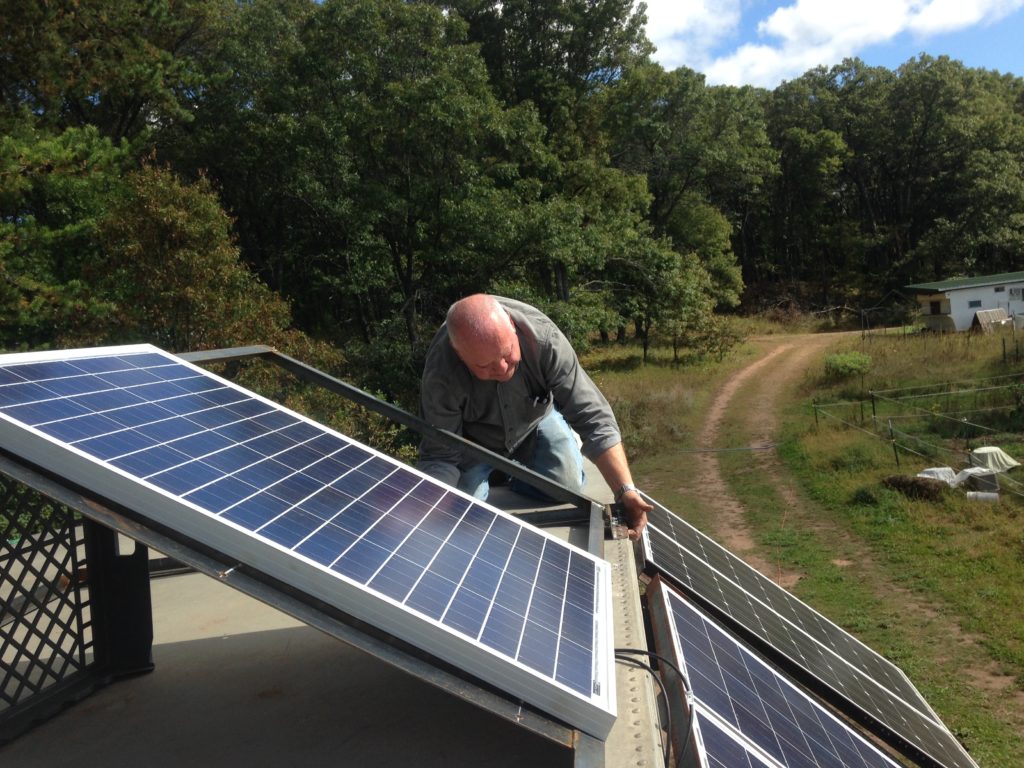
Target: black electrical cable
683 679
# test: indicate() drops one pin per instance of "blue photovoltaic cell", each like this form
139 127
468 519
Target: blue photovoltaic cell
842 665
290 482
742 704
721 749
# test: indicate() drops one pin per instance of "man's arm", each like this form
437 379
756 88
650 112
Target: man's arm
615 470
439 407
437 458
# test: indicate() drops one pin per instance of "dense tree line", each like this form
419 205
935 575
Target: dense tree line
331 175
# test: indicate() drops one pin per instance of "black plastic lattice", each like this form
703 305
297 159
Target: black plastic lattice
45 628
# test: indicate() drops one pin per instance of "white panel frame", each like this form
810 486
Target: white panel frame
929 718
594 714
662 596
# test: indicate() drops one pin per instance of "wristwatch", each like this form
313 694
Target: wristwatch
626 488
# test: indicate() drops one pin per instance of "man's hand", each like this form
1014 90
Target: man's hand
615 470
635 508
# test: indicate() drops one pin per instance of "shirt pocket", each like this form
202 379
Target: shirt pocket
536 407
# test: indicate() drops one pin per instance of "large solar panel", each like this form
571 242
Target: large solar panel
513 605
747 713
866 685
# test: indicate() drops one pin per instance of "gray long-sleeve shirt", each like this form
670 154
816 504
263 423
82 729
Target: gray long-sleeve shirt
501 416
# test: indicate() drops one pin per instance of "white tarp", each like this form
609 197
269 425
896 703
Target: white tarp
951 478
993 459
945 474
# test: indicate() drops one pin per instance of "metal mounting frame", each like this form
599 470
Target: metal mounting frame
579 509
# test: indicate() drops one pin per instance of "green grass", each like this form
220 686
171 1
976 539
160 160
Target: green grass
964 560
936 587
658 406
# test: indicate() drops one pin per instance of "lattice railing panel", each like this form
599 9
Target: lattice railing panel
45 630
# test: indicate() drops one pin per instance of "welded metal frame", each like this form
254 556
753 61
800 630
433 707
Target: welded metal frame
579 509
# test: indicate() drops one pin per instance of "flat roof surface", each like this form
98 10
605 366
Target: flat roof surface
239 683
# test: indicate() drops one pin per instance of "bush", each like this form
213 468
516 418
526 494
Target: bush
843 365
864 497
923 488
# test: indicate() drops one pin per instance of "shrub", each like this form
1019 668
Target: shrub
924 488
843 365
864 497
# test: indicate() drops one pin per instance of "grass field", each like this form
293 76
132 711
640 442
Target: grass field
936 586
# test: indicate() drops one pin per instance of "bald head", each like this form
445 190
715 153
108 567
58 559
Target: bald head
484 337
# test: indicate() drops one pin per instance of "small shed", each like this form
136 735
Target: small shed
986 320
956 304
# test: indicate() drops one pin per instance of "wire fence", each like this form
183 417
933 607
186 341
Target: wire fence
940 423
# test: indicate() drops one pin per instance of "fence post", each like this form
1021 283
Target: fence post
892 439
815 407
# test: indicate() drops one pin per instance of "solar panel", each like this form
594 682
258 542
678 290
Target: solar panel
860 681
747 713
267 487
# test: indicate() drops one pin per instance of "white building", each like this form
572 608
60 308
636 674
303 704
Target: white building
952 305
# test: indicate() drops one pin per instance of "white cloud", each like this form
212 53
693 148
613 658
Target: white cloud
686 31
800 35
948 15
831 24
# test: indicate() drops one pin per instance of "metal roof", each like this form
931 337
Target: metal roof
957 283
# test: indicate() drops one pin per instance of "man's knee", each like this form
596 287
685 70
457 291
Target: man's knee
474 480
557 454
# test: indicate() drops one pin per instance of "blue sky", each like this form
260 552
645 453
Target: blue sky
763 42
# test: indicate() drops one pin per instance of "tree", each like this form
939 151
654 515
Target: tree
53 190
893 178
695 145
120 67
561 58
556 54
699 228
375 177
963 198
173 272
810 165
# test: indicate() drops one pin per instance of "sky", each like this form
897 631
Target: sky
764 42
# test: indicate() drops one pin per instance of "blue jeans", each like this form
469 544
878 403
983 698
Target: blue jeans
556 456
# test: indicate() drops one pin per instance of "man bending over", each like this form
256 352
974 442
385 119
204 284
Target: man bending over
500 373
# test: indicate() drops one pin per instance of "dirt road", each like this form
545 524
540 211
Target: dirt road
762 387
785 362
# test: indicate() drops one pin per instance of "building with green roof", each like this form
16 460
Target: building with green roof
954 304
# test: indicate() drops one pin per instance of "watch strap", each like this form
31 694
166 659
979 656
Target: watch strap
626 488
